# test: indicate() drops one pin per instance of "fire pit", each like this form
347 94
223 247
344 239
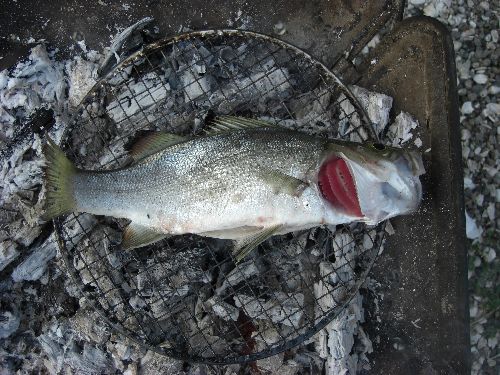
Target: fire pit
415 320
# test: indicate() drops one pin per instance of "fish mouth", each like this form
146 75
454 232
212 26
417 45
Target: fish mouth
338 187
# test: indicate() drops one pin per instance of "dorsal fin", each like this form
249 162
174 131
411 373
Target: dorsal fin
153 142
229 123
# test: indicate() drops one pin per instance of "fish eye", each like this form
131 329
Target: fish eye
378 146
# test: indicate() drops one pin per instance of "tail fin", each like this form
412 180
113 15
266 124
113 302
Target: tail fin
59 174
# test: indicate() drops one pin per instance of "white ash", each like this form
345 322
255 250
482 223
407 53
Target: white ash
81 76
8 252
268 337
123 351
40 81
167 278
9 323
335 342
144 93
271 83
323 291
195 86
295 247
180 85
91 248
58 344
152 363
376 105
18 174
35 265
400 131
245 271
313 113
89 326
289 367
76 229
389 228
116 151
222 309
206 339
281 308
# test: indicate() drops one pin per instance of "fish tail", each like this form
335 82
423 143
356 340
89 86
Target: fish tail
59 172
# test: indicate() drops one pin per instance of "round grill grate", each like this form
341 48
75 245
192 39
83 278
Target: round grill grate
185 297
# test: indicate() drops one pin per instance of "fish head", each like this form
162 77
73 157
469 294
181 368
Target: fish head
371 182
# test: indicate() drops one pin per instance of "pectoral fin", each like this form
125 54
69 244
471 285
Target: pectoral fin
136 235
244 246
154 142
283 183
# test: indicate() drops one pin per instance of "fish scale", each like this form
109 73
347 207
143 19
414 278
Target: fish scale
199 177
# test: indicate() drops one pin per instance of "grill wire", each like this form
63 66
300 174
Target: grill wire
184 296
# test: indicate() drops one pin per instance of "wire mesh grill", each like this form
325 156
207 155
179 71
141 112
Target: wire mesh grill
185 296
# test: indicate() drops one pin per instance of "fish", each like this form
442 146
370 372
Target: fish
244 180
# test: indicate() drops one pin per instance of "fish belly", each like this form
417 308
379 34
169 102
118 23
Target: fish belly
235 220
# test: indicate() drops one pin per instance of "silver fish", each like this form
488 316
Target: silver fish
246 180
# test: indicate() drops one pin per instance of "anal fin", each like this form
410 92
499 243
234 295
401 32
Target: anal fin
244 246
136 235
